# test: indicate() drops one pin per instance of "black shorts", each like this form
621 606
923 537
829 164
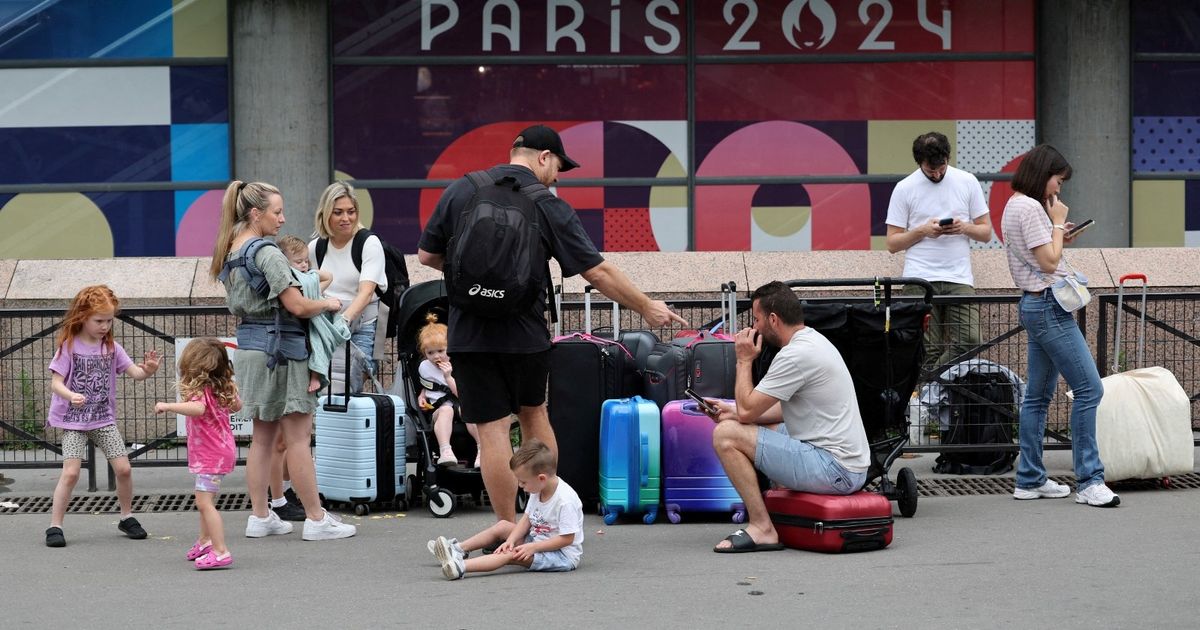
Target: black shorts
492 385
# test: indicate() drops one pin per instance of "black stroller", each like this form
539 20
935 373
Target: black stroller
882 342
440 486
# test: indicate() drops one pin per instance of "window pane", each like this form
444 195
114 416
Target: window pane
913 91
1165 27
106 224
461 27
883 26
435 119
82 29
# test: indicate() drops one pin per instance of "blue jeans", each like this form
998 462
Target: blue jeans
364 339
1056 346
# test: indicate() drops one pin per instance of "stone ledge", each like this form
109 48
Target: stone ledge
184 281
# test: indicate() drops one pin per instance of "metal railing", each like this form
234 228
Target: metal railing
27 345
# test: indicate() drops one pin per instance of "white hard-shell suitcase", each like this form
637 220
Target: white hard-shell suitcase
1144 421
360 452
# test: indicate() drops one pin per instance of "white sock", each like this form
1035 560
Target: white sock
287 485
125 516
280 502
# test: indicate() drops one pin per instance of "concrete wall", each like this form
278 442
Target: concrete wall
184 281
281 101
1083 108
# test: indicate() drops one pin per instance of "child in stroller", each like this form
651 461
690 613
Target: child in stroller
439 392
440 485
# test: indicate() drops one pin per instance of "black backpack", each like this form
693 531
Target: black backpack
394 269
982 411
496 263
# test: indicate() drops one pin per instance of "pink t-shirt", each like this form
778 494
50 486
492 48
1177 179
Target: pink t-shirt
211 450
91 370
1026 227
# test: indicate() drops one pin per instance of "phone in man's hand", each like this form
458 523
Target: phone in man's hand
947 222
705 406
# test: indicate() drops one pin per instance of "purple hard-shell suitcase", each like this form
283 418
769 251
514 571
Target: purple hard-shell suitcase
693 478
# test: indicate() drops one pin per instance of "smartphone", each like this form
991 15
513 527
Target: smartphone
946 222
705 406
1081 227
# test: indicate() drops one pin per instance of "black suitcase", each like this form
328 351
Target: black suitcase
639 343
702 360
585 370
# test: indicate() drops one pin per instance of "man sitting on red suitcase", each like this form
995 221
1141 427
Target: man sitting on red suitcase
821 445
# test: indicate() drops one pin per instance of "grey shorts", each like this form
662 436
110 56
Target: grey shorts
107 438
801 466
550 561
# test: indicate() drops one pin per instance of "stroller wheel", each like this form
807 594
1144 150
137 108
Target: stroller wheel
906 484
442 503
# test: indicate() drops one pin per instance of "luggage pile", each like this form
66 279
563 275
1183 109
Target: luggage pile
631 445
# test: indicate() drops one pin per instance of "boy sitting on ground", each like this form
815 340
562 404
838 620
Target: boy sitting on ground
548 537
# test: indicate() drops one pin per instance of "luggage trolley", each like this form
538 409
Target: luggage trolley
882 341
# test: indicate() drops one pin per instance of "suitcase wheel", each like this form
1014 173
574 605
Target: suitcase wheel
739 517
650 516
361 509
610 516
673 516
442 503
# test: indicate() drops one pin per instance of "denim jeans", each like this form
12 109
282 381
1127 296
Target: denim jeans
1056 346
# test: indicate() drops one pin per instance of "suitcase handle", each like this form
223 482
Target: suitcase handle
644 461
877 534
1141 345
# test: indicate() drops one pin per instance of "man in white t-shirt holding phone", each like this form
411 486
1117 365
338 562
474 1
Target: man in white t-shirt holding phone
933 215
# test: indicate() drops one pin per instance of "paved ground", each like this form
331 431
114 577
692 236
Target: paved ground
978 562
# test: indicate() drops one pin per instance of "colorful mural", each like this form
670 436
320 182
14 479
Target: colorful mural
126 124
799 119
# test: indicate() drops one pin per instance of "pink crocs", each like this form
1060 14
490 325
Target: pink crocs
198 550
211 560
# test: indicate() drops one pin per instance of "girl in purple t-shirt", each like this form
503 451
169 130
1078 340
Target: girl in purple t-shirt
206 383
83 377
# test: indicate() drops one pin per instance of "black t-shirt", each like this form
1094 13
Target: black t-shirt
565 240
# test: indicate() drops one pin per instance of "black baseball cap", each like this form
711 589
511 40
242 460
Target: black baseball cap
543 138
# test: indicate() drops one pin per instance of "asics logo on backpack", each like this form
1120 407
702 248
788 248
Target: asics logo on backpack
486 292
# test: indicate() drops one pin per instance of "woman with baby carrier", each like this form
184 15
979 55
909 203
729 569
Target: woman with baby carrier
272 358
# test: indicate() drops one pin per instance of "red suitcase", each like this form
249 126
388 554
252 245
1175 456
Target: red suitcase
831 523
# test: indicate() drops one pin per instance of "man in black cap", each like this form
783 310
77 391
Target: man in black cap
501 364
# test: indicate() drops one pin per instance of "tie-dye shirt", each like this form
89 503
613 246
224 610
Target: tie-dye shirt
91 370
210 446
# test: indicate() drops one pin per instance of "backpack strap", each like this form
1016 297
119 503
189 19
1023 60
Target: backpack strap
322 247
244 261
539 193
480 179
360 240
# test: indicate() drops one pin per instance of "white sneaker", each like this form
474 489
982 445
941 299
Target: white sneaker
454 568
328 528
443 548
272 525
1098 495
1049 490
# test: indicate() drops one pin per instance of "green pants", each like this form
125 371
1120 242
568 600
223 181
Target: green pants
953 328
